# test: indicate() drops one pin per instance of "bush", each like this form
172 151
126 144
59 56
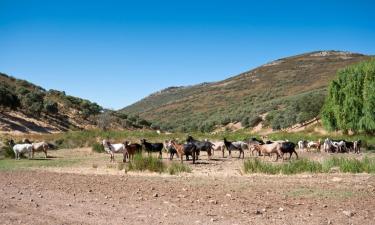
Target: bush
8 152
33 103
99 148
176 168
51 107
8 98
149 163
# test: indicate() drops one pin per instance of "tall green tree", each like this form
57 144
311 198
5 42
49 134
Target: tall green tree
350 104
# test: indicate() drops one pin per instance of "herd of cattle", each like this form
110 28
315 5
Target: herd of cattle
192 148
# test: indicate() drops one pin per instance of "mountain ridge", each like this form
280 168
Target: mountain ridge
171 107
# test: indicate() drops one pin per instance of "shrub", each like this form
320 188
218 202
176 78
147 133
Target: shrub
8 98
99 148
149 163
51 107
8 152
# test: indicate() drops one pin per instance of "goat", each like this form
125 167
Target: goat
153 147
40 146
314 144
217 146
270 149
113 148
201 146
131 150
302 144
357 146
170 149
288 147
20 149
231 147
185 149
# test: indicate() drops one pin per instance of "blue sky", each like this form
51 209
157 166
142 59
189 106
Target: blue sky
117 52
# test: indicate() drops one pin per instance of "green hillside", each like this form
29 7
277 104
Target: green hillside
288 90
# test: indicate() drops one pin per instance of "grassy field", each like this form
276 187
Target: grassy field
75 139
344 165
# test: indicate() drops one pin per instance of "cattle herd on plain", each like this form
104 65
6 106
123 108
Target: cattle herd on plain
192 148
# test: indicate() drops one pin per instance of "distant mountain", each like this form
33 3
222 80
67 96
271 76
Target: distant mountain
28 108
274 89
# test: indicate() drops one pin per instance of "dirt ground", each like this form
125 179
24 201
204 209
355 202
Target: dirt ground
216 192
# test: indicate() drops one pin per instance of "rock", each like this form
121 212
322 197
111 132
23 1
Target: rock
348 213
152 189
90 191
156 195
213 219
258 212
228 195
281 209
213 201
70 205
264 210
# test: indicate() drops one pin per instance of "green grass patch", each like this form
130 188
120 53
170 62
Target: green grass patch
346 165
146 163
177 168
97 147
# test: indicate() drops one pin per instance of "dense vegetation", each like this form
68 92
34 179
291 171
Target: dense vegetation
350 104
60 110
34 100
289 90
345 165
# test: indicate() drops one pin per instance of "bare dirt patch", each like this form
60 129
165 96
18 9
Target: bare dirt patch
215 193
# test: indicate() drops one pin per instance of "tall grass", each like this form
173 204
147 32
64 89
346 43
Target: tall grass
97 147
366 165
176 168
146 163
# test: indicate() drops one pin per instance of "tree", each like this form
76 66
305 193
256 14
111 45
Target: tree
350 104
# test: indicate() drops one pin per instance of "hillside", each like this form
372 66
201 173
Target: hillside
28 108
288 91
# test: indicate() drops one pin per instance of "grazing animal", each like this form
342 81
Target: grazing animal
113 148
40 147
288 147
153 147
171 150
19 149
349 145
217 146
269 149
328 146
314 144
357 146
205 146
188 149
131 150
231 147
340 145
302 144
